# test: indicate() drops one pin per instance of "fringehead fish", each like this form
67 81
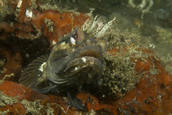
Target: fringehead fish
74 61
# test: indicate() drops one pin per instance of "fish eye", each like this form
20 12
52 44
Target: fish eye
75 35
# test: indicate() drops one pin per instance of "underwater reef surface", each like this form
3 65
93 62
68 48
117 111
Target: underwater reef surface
120 53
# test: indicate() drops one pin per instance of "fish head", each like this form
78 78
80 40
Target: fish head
76 59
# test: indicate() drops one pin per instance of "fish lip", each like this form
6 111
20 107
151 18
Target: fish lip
90 51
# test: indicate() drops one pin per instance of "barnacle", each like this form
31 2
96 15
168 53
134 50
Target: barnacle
98 26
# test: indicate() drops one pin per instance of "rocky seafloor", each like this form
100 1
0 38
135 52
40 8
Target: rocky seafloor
136 38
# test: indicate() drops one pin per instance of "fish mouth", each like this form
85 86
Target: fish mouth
87 63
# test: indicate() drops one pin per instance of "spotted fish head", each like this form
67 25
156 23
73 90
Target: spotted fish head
76 59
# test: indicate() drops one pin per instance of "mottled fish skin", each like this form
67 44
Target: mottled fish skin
70 62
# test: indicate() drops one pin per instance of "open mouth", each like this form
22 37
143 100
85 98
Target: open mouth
86 60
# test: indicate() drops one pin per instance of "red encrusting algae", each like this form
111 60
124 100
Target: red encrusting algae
63 23
152 94
34 25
